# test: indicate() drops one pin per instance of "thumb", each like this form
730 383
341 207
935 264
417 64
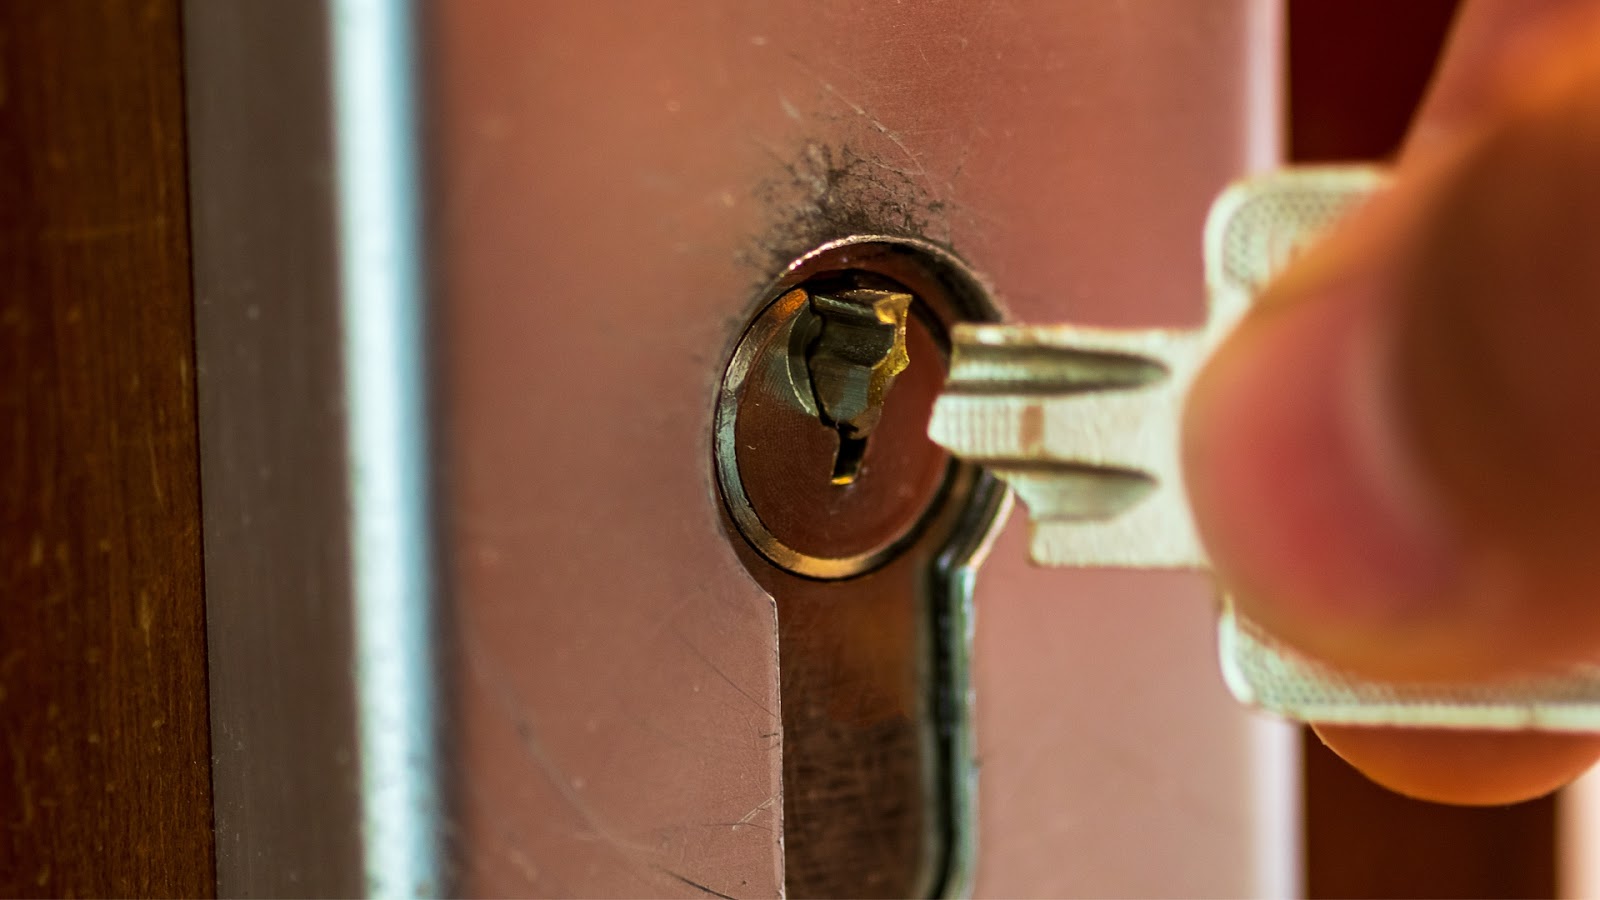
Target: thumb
1395 461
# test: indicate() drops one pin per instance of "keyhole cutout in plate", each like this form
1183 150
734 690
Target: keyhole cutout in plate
871 578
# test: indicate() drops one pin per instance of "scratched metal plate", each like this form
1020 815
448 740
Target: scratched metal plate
610 190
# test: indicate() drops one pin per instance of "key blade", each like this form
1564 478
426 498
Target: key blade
1083 423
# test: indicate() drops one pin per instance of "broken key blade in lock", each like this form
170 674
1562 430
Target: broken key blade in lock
852 365
1083 423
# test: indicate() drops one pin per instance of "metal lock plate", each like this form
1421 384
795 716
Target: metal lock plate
608 664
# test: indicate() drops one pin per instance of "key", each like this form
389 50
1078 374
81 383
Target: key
1082 423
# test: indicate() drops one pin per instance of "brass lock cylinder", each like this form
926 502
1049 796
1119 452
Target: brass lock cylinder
821 448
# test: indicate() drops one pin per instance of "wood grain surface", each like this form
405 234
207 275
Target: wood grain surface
1357 69
104 762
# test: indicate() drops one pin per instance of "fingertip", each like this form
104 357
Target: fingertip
1305 503
1465 768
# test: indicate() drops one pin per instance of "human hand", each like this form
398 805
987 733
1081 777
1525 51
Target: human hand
1395 461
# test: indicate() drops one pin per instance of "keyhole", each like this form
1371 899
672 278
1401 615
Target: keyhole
847 461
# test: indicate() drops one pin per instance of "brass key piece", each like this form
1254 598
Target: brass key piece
804 401
1082 423
861 348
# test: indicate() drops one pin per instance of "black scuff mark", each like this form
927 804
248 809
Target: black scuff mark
824 192
710 892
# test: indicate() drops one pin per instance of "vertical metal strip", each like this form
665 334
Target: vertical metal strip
385 380
309 276
1274 745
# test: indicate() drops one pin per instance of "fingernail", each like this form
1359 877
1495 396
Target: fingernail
1304 488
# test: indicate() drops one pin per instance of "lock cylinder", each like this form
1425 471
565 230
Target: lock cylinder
822 451
864 532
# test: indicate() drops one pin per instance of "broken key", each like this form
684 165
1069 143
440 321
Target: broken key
1083 424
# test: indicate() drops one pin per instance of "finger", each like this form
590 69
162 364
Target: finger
1394 463
1468 768
1460 767
1488 42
